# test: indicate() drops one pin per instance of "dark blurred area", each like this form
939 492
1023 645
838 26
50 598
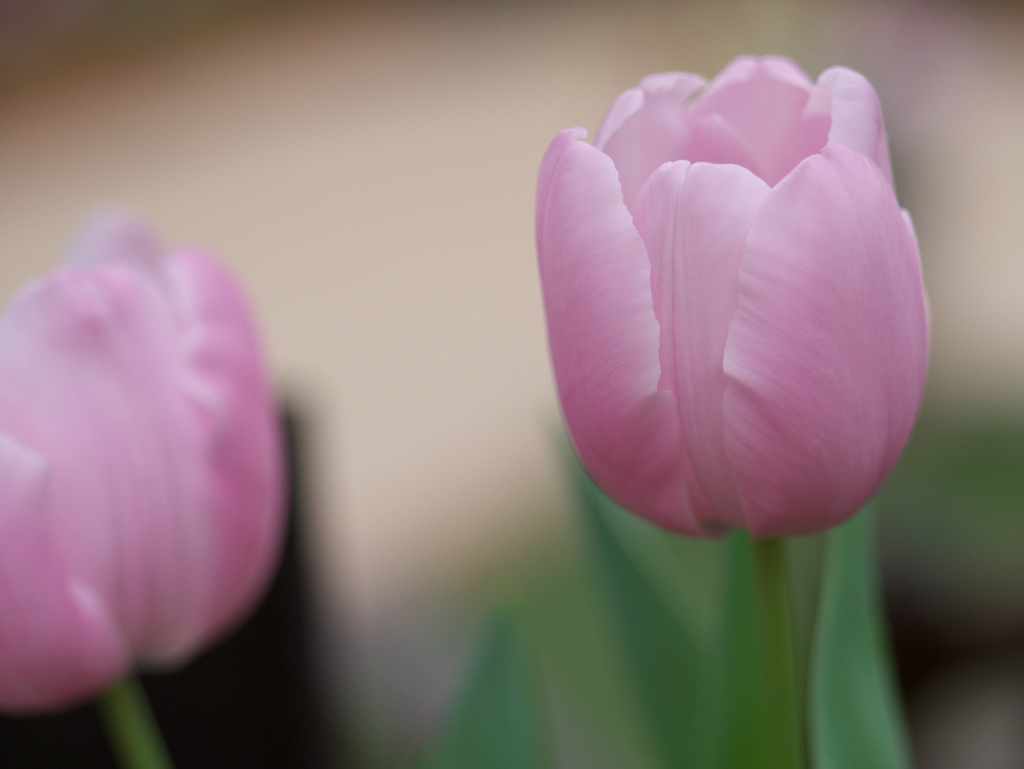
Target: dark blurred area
255 700
953 516
36 33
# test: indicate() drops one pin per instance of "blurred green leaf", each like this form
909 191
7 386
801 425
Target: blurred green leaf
595 721
952 521
650 598
499 719
805 556
855 718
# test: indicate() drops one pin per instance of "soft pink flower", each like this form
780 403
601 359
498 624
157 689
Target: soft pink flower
140 462
734 298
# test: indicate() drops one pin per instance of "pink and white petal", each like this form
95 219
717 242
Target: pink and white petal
646 127
762 100
58 642
548 166
626 104
694 221
604 335
742 69
225 380
116 236
912 231
710 139
852 107
126 489
826 357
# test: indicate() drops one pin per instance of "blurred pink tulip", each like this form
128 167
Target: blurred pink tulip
735 307
140 462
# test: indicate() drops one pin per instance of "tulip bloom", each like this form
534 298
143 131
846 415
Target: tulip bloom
735 307
140 462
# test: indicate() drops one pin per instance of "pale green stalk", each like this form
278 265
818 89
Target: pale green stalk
787 744
132 730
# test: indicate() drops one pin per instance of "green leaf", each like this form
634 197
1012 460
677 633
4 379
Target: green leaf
856 721
652 603
806 555
499 720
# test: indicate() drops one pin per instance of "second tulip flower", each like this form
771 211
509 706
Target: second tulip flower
140 463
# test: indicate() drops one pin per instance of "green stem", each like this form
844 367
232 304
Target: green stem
773 592
132 730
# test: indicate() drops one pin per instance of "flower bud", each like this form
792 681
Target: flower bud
735 307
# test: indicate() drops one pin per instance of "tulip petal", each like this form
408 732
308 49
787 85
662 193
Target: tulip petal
849 102
646 127
711 139
604 335
225 378
127 491
694 221
826 357
752 114
116 237
167 484
58 642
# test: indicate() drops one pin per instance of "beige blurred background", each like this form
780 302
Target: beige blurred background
368 170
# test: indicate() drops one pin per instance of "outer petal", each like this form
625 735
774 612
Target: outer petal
646 127
694 221
116 237
90 371
58 642
604 335
752 115
826 357
849 104
226 380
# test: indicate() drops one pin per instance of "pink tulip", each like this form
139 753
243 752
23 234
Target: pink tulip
140 462
734 298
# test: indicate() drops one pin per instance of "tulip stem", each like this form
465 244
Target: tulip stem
131 727
773 592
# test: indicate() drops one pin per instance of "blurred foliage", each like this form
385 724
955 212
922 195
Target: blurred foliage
596 687
953 516
856 720
952 520
499 720
654 603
